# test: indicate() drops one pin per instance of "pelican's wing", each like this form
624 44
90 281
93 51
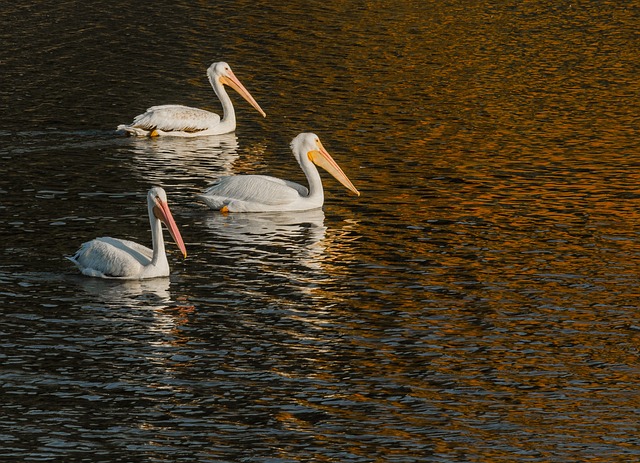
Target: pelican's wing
260 189
170 118
111 258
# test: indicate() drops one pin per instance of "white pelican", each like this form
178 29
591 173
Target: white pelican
261 193
115 258
184 121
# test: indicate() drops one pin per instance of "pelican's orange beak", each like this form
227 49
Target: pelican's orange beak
232 81
322 158
163 213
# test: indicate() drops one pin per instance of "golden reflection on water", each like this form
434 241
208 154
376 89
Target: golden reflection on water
497 153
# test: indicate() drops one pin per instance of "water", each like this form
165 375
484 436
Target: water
478 302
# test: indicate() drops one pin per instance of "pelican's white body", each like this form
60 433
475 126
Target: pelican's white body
261 193
115 258
180 121
184 121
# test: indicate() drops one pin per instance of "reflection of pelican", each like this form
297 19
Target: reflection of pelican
184 121
261 193
153 292
187 162
290 240
114 258
138 306
268 228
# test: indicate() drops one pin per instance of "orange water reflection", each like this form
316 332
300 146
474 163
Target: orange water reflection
496 150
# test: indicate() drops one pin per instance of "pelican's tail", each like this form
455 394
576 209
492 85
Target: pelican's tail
214 202
130 130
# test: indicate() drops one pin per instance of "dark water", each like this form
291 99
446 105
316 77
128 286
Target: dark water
478 302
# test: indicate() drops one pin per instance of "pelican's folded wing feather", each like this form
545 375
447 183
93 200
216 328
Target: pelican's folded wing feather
170 118
111 257
254 188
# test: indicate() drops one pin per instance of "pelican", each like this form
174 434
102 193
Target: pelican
261 193
115 258
184 121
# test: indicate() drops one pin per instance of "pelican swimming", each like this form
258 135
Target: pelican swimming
184 121
261 193
115 258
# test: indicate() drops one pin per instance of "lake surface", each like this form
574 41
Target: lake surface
477 303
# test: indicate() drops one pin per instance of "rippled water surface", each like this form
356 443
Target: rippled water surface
477 303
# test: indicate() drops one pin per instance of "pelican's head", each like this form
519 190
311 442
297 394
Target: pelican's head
157 200
221 72
309 145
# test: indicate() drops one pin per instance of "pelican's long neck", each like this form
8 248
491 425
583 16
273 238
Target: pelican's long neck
316 192
228 120
157 240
